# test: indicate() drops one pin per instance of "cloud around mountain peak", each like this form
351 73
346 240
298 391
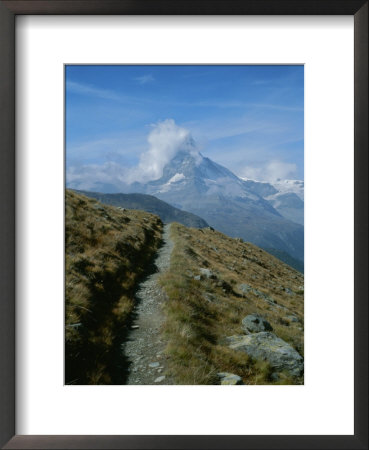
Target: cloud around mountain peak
165 140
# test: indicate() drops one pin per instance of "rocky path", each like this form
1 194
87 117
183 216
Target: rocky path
144 346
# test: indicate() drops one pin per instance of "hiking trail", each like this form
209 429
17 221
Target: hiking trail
144 347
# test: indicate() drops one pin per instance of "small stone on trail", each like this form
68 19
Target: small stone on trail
154 364
134 327
160 379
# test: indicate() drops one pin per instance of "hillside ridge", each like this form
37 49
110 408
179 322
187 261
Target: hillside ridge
151 204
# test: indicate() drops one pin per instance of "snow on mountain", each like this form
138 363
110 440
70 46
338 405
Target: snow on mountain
277 187
290 186
289 200
175 179
286 196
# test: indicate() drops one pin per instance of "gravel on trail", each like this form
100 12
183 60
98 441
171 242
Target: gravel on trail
144 347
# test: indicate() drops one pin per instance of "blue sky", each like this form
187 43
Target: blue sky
247 118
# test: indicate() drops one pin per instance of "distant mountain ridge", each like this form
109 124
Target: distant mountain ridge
151 204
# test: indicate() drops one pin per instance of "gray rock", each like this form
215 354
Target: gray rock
229 378
267 346
197 277
159 379
206 272
154 365
254 323
245 288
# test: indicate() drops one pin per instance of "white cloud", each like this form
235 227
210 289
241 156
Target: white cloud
270 171
165 140
239 104
85 89
144 79
86 177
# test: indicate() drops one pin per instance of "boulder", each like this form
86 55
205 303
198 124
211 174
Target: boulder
268 347
229 378
254 323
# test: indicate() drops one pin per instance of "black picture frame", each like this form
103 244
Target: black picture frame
8 11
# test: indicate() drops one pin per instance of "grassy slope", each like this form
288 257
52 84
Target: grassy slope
200 313
107 252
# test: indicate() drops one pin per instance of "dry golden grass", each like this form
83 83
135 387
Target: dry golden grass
107 252
200 313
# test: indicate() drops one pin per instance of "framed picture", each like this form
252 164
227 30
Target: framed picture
211 109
